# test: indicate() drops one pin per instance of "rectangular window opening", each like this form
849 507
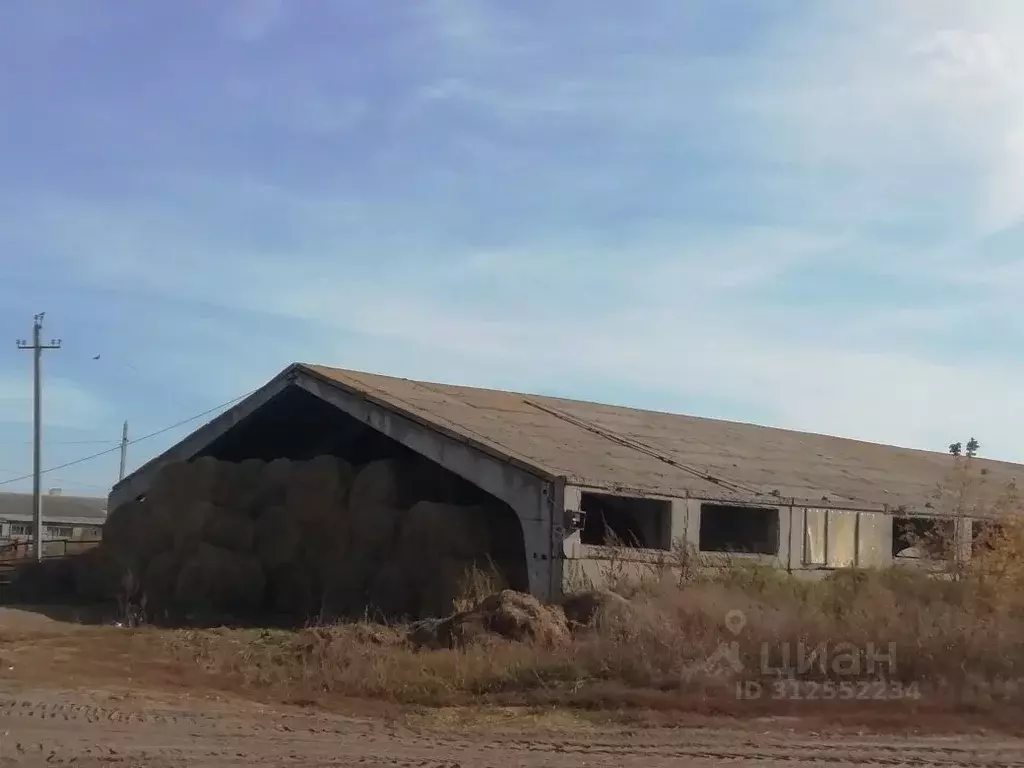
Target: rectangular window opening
739 529
923 538
623 521
984 535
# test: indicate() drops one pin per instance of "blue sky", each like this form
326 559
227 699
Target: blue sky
804 214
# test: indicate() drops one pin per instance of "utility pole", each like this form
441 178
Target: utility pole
124 450
37 348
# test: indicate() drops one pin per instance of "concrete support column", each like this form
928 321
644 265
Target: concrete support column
679 521
786 536
693 523
542 570
797 532
964 538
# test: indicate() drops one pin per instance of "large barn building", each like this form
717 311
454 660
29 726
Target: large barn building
575 473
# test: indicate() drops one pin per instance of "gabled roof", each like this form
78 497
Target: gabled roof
56 508
609 447
631 451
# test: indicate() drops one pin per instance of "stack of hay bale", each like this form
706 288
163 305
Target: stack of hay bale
302 538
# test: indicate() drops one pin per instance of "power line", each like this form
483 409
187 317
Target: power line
132 442
61 442
62 481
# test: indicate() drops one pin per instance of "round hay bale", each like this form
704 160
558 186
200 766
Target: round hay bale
276 472
346 586
445 530
312 508
373 529
274 482
204 471
217 578
172 484
334 470
377 484
191 523
445 585
200 478
226 485
119 529
318 488
252 470
439 586
293 590
389 595
326 542
135 531
246 492
165 515
229 529
277 537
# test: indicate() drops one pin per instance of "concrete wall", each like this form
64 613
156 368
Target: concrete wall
861 538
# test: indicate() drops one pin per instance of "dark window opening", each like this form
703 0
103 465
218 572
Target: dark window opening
984 535
744 530
929 538
621 521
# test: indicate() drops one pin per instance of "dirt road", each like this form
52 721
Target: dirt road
72 696
139 729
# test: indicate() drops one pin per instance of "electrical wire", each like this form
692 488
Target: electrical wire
131 442
63 482
61 442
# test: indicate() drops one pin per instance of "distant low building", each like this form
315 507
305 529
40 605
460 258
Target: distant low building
65 518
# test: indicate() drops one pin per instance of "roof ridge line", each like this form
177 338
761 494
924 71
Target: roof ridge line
639 446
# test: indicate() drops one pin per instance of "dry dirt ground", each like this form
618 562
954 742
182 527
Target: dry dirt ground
68 696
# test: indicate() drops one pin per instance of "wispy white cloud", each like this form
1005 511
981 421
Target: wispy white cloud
799 230
689 328
66 404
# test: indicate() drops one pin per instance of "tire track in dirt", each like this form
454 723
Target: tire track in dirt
789 750
54 729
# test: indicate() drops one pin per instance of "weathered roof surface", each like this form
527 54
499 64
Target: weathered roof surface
606 446
18 506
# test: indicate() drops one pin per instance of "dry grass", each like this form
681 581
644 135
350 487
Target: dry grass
959 640
955 632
